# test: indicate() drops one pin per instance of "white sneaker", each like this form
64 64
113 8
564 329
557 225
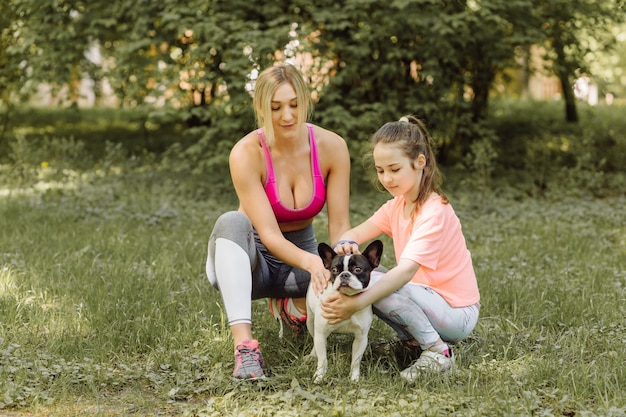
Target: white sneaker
429 361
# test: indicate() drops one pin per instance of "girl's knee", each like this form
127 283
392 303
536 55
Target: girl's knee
380 309
387 304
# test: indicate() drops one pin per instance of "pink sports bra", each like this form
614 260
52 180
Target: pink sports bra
285 214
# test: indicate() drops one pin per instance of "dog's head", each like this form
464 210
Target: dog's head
350 274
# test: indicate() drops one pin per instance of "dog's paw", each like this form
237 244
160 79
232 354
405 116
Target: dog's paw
318 377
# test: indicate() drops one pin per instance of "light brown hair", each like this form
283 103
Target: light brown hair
411 136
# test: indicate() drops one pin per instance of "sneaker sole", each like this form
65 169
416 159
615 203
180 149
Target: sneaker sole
255 379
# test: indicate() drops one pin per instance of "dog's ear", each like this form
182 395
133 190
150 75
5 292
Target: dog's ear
373 252
326 253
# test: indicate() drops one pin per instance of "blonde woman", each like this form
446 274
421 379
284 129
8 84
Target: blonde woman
284 172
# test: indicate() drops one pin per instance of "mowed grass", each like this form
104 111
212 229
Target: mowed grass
105 310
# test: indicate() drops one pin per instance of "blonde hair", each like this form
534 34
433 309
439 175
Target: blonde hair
266 85
411 136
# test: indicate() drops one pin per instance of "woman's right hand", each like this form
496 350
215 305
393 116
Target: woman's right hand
320 276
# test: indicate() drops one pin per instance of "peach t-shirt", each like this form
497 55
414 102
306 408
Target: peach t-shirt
435 241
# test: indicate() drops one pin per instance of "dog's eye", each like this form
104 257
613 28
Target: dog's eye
358 270
334 270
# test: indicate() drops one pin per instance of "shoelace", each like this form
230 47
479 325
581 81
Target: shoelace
249 357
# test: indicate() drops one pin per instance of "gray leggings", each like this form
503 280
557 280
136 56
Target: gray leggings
244 270
418 312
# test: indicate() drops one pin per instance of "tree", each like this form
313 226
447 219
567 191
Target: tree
434 59
384 60
51 30
12 52
609 68
372 61
568 27
495 32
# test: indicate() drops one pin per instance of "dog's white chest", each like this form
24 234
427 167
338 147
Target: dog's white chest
360 321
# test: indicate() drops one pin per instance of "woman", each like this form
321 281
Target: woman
283 173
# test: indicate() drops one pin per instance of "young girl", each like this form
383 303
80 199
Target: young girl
284 173
431 297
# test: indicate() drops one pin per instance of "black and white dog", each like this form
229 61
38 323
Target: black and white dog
350 275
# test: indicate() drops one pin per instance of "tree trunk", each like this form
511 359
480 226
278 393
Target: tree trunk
571 115
481 85
524 72
562 72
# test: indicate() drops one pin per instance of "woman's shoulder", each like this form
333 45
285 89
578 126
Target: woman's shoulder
328 142
249 143
325 135
247 150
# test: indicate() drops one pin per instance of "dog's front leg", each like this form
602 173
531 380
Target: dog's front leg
319 348
311 355
310 325
358 349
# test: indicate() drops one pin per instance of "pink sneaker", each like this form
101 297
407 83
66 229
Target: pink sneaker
248 361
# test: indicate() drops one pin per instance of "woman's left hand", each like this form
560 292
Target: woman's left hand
338 307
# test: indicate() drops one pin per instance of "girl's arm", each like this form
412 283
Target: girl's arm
339 307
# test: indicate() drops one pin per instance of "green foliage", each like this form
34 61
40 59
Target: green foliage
141 129
481 161
545 152
525 144
370 62
9 51
388 61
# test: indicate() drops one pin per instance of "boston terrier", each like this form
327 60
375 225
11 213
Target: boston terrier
350 275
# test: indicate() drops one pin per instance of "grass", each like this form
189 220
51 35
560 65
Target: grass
106 311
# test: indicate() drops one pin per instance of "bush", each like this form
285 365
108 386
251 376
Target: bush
537 146
525 145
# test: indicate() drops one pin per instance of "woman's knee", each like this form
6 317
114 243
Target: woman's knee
231 222
236 227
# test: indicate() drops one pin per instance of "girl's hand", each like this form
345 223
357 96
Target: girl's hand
345 247
338 307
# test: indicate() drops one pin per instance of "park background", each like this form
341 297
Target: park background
116 122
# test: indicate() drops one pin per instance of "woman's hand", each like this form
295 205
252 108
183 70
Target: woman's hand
338 307
320 279
319 275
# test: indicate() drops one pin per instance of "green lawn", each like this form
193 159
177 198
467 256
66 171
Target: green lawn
105 309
